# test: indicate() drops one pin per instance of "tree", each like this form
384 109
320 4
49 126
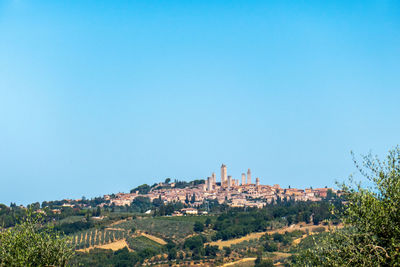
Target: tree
208 222
198 227
98 211
228 251
172 254
211 251
167 180
141 204
31 244
371 236
264 263
143 189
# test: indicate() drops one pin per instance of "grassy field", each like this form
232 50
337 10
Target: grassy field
155 239
141 242
71 219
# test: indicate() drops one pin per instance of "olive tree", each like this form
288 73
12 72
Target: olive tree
371 217
31 244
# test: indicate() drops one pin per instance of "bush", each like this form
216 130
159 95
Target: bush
270 246
318 229
198 227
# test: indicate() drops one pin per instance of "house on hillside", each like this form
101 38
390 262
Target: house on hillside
189 211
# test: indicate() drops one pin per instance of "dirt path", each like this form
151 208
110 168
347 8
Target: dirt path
239 261
228 243
118 222
114 229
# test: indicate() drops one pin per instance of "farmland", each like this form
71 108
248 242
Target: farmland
165 228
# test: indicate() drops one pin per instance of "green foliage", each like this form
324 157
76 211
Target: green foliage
194 242
270 246
141 204
102 257
372 216
198 227
143 189
141 243
163 227
183 184
30 244
264 263
237 222
172 254
228 251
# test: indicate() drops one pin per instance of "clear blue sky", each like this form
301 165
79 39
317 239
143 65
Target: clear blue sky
98 97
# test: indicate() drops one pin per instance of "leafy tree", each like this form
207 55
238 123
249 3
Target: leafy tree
228 251
263 263
141 204
98 211
167 180
277 237
172 254
372 219
143 189
270 246
30 244
193 242
211 251
198 227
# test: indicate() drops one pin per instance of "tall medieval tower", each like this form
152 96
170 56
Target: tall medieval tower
224 178
248 176
243 178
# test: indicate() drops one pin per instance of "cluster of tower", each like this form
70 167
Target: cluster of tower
227 181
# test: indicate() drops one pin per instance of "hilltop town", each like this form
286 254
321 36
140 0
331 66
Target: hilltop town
231 191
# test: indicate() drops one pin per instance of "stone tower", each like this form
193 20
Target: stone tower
248 176
224 177
257 181
243 178
214 178
209 183
229 182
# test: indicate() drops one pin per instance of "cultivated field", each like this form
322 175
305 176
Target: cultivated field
113 246
160 227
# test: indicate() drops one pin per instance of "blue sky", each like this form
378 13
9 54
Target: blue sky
98 97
